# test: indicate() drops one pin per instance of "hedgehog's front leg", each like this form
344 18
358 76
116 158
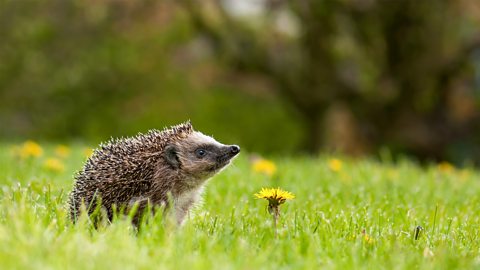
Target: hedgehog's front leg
182 209
140 205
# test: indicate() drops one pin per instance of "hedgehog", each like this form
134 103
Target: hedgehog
160 169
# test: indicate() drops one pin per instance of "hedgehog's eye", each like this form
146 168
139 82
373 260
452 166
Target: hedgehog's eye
200 153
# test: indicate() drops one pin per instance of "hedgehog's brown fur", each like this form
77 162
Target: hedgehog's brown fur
141 170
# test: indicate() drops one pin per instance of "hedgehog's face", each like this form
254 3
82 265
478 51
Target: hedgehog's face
199 156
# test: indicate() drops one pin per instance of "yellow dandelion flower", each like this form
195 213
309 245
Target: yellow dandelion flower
275 196
335 164
53 164
30 149
445 167
62 151
88 152
368 239
264 166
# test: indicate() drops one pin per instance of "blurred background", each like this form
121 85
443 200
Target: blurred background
359 77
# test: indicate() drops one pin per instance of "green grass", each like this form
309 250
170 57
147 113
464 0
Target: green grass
323 227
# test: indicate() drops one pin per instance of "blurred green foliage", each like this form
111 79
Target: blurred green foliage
352 75
95 69
362 75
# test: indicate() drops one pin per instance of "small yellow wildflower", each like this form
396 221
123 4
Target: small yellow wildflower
30 149
368 239
264 166
445 167
88 152
275 196
54 165
335 164
62 151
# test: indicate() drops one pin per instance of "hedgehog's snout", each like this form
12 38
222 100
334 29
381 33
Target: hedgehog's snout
234 149
228 152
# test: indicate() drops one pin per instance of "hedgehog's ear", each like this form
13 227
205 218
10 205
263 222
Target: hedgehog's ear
171 156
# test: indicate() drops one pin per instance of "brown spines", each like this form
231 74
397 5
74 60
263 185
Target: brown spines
180 131
152 141
122 169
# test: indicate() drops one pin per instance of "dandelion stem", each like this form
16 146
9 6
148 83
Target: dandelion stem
275 211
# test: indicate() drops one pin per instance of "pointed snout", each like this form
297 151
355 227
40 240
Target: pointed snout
228 153
234 149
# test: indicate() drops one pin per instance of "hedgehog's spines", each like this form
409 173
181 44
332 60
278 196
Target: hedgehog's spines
176 132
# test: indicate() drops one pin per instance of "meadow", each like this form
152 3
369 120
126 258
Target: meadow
347 214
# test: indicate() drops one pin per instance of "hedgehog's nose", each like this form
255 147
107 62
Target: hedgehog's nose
235 149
